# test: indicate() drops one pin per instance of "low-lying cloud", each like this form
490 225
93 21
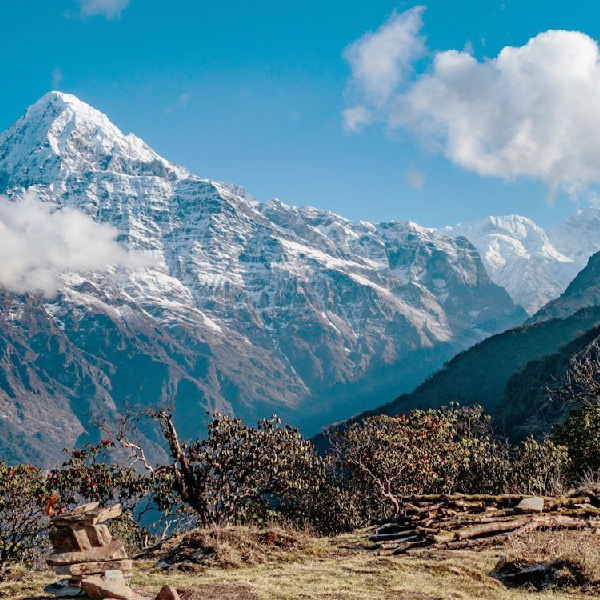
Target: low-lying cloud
111 9
533 111
39 242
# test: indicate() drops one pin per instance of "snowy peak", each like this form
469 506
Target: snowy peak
60 134
521 257
578 236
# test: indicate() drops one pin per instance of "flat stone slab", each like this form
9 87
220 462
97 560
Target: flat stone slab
110 585
535 504
95 568
114 551
90 517
83 508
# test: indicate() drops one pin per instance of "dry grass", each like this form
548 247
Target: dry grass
234 547
360 576
22 582
278 567
573 555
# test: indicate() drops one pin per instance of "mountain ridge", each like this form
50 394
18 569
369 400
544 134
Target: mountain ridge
248 307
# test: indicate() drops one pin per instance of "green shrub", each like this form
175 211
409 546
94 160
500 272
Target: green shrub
240 474
389 458
580 434
539 467
23 522
93 473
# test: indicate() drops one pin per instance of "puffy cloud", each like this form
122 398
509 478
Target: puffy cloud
380 60
111 9
533 111
40 242
184 99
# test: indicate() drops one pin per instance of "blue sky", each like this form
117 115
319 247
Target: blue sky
253 92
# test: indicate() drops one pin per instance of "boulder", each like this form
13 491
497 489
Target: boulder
68 539
99 535
167 593
535 504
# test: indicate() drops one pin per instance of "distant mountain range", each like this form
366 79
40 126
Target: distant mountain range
533 265
246 307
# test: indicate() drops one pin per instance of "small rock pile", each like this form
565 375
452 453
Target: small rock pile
85 551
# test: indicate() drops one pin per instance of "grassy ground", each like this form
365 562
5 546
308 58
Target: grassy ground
330 570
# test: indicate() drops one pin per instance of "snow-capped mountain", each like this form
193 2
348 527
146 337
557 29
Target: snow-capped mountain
578 236
533 265
247 307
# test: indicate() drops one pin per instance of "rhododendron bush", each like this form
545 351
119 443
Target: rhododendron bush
24 499
394 457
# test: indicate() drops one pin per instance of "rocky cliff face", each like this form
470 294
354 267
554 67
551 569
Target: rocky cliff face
245 307
582 292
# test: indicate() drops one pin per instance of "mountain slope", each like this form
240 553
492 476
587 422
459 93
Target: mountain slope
509 373
246 307
582 292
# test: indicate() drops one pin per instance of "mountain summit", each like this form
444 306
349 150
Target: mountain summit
248 307
60 134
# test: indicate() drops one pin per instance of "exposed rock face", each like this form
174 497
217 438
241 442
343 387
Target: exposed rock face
248 308
510 373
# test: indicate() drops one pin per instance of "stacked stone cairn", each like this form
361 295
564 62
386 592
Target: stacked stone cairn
85 552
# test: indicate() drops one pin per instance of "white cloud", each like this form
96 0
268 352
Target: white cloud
532 112
415 178
181 102
39 243
111 9
380 60
356 117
